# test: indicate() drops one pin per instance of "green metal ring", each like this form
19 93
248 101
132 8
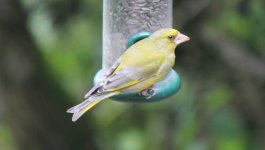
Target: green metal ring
165 88
137 37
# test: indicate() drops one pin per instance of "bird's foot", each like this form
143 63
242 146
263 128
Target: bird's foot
149 92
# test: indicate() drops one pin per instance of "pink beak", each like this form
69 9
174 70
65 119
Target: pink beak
181 38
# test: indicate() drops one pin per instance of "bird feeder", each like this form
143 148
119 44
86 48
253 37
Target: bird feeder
128 21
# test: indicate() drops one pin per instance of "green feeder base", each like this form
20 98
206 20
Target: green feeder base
164 88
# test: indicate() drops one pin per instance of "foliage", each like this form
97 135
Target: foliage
204 115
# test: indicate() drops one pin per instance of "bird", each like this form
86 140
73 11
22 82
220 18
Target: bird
136 70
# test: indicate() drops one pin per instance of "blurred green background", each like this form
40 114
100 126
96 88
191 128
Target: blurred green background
50 51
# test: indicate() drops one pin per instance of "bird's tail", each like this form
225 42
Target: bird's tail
91 101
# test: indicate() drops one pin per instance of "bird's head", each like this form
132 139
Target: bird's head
168 39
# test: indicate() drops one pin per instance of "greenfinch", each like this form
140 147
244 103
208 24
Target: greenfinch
138 68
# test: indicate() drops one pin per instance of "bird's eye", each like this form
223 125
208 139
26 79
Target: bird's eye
171 37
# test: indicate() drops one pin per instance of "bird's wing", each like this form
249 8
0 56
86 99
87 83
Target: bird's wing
128 71
133 70
103 79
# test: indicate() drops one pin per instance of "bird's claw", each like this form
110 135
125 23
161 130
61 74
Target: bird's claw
149 92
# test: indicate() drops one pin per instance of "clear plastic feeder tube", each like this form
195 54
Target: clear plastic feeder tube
124 18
